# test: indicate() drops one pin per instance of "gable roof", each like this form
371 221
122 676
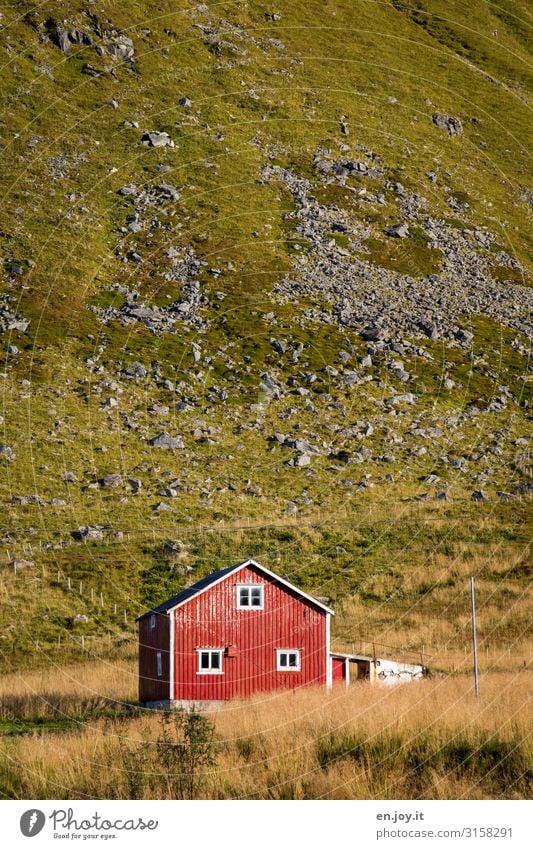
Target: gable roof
215 578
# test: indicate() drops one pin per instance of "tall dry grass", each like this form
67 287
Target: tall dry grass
429 739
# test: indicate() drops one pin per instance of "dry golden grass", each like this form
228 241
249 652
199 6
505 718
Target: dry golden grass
429 739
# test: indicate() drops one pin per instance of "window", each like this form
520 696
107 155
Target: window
159 662
249 595
209 661
152 622
288 660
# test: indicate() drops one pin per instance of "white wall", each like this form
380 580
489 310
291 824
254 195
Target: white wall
390 672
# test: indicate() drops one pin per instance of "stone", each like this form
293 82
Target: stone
135 370
128 190
451 125
397 231
373 333
135 484
6 454
156 139
270 386
80 617
429 328
69 477
400 374
122 47
20 563
111 480
300 460
279 345
479 495
89 532
185 101
164 440
162 507
464 337
405 398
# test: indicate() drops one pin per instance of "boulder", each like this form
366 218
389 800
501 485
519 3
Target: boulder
111 480
156 139
398 231
164 440
451 125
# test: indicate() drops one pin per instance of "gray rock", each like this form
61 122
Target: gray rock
464 336
89 532
479 495
299 461
20 563
451 125
398 231
80 617
400 374
128 190
121 46
270 386
164 440
429 328
135 484
135 370
405 398
184 101
302 446
6 454
111 480
162 507
279 345
373 333
69 477
156 139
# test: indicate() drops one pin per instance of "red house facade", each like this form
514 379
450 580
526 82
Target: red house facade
237 632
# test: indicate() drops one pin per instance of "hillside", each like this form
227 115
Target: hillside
265 291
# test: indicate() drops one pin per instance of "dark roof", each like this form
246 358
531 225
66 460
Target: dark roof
190 591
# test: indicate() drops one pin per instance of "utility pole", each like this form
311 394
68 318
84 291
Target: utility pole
474 637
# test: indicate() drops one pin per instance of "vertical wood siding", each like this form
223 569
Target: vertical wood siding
152 687
211 620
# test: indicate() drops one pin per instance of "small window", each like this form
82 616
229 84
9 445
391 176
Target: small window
159 661
209 661
152 622
249 596
288 660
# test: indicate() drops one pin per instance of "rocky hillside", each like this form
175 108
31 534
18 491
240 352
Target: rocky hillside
263 266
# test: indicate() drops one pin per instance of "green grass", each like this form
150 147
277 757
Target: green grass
66 154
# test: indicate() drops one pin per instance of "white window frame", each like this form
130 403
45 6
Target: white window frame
280 668
250 587
152 622
159 664
210 671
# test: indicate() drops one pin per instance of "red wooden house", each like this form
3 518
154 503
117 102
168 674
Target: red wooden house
237 632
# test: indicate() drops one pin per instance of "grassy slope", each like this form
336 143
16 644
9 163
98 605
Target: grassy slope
386 562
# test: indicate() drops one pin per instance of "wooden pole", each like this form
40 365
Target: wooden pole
474 636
